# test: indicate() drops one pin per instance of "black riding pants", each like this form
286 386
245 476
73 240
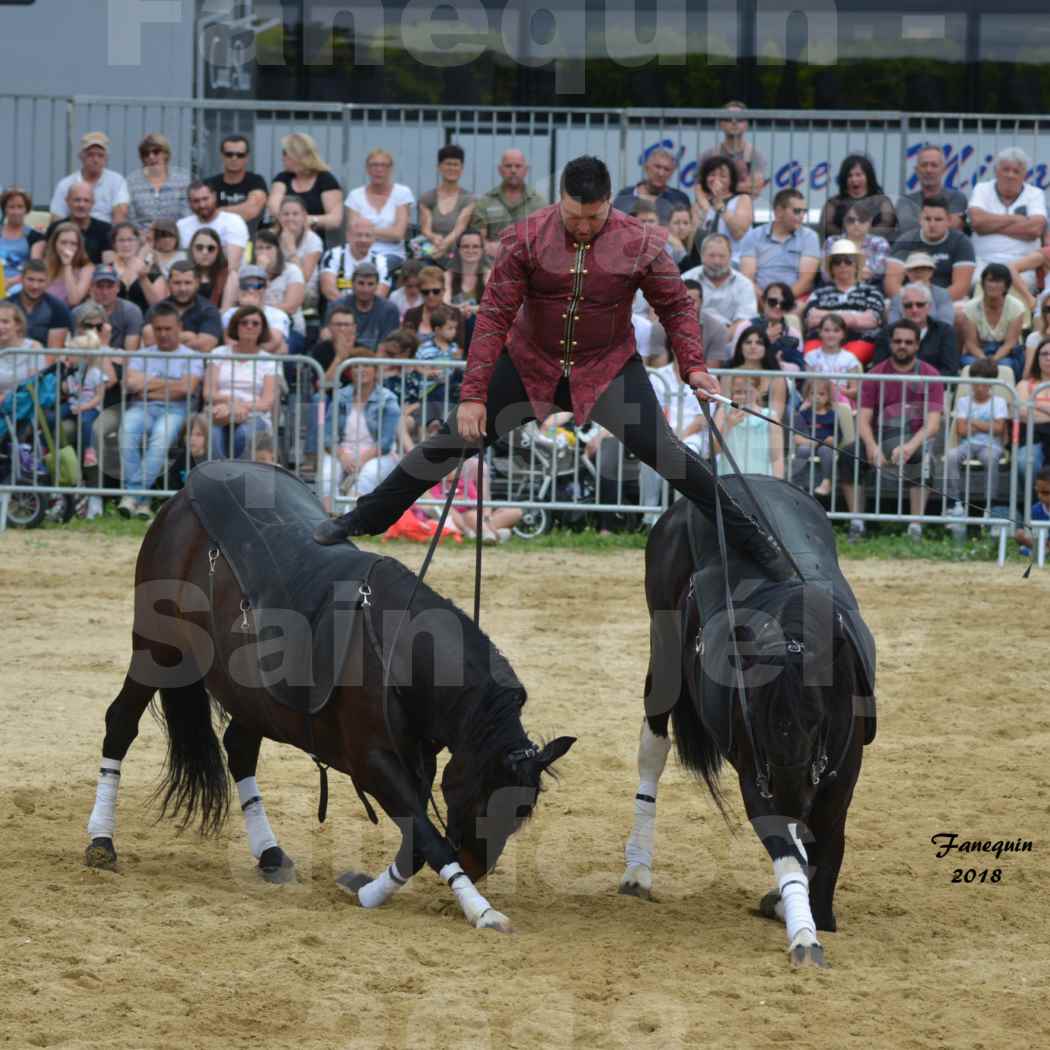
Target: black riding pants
628 409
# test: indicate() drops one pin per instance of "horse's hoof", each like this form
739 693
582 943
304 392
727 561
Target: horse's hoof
276 867
352 882
804 955
767 906
101 854
494 920
637 882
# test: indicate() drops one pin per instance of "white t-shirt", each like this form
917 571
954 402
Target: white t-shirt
277 289
984 411
643 335
733 300
679 404
400 194
819 361
275 318
398 298
243 380
110 190
231 228
997 247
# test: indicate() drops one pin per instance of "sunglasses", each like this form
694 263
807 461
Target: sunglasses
232 154
152 150
205 247
432 291
94 326
253 286
912 305
774 302
799 211
842 260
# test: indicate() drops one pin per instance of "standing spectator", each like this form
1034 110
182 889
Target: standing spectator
1008 217
385 204
406 295
980 426
159 392
930 166
754 352
857 223
301 245
898 422
510 201
16 238
951 251
16 368
311 180
212 270
655 187
727 292
68 267
937 343
446 211
752 167
239 191
110 198
918 270
857 181
991 324
338 264
432 289
140 283
830 356
466 275
231 228
374 317
285 287
860 305
96 234
719 207
819 426
253 285
780 325
241 394
784 249
48 320
1035 406
157 190
201 324
123 318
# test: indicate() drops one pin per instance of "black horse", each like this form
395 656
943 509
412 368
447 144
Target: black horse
235 606
781 684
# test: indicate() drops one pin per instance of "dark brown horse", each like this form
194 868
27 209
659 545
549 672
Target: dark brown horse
409 687
792 719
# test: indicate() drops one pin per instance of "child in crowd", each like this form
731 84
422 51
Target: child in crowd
980 425
816 420
85 383
754 443
830 356
436 389
496 523
1040 510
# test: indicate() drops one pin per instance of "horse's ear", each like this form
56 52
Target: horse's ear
553 751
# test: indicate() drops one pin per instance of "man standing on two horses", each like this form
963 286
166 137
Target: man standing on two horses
554 331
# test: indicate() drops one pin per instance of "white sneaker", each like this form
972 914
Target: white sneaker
504 535
94 508
915 531
127 506
856 530
144 510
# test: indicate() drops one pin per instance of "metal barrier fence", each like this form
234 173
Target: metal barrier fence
1040 529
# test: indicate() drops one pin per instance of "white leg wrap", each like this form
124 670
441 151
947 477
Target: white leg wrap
472 902
794 895
652 757
382 888
102 824
260 834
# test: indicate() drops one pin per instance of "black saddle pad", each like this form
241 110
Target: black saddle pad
829 604
303 597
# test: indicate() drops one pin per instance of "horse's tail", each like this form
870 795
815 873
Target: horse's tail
697 749
195 780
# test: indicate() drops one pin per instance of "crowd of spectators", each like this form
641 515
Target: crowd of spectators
233 264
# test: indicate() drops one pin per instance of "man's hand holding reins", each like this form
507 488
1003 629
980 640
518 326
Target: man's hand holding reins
470 418
704 385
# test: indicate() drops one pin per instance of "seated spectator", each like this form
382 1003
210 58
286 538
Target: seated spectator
496 522
401 344
301 245
830 356
310 179
859 304
16 238
437 388
330 354
780 325
951 252
466 275
820 434
445 212
139 282
432 289
231 228
727 293
69 269
898 422
48 320
873 250
645 212
406 295
980 426
285 287
755 353
655 187
201 323
508 202
937 344
918 270
18 367
751 165
713 333
1040 511
157 190
211 268
1008 217
123 318
1040 331
754 444
375 317
784 249
990 326
719 206
682 244
95 233
239 191
385 204
857 182
84 384
253 285
162 246
109 189
1035 407
240 395
338 264
159 393
930 166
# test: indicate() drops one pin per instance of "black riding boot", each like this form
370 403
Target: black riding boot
338 530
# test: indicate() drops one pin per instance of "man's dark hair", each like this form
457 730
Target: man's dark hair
182 266
936 200
911 326
34 266
451 152
235 138
162 310
695 284
199 184
785 197
586 180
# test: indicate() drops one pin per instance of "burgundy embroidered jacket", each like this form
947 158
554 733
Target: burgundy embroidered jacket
564 309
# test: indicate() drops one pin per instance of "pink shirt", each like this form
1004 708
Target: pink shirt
908 401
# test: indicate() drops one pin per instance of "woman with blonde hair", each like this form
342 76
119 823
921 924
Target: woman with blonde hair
384 203
157 190
69 269
309 178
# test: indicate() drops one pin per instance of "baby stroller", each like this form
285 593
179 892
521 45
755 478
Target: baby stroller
537 465
29 455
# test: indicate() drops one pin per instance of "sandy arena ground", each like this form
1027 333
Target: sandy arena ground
185 948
